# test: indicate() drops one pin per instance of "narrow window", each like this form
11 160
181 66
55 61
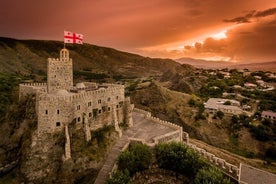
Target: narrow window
57 111
90 114
89 104
117 106
78 107
108 99
79 119
99 101
100 111
57 124
117 97
46 111
108 108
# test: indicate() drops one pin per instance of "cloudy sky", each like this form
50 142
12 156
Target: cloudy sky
233 30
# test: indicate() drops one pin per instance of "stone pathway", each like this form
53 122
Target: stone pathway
111 159
252 175
142 129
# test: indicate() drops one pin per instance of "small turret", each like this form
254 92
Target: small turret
64 55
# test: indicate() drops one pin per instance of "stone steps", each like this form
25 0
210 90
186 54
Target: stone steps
111 160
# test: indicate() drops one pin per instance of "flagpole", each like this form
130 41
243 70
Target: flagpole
63 39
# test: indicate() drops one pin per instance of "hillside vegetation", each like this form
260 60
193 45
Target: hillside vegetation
29 57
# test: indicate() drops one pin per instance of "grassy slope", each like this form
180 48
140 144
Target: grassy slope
29 57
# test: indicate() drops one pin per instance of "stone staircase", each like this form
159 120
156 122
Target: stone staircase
111 159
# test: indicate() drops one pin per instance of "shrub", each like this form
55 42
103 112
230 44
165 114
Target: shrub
187 160
220 114
211 175
136 159
119 177
227 103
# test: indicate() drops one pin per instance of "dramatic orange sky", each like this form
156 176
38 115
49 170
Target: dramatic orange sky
233 30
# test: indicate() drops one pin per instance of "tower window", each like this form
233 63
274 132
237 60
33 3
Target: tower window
90 114
89 104
117 97
78 107
57 124
99 101
108 108
108 99
79 119
46 111
57 111
100 111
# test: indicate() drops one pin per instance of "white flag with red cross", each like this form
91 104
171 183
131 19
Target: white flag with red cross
70 37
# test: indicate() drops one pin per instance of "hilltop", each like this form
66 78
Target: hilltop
28 57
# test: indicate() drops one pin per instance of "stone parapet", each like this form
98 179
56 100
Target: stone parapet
229 169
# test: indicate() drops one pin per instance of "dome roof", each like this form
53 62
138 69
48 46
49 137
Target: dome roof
80 85
62 92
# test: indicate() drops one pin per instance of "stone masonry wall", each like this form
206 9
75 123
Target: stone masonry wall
55 111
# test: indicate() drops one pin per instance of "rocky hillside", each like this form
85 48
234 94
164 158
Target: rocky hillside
29 57
175 107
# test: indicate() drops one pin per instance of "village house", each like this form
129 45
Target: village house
250 85
219 104
269 115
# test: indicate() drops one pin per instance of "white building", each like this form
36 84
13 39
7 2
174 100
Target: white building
269 115
217 104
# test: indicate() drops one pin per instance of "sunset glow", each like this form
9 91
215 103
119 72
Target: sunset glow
234 29
219 35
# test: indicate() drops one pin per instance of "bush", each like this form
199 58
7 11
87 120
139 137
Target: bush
261 132
119 177
177 157
137 158
220 114
271 152
210 175
192 102
227 103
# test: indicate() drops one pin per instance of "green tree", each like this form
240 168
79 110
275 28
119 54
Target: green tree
227 103
136 159
220 114
210 175
188 162
192 102
261 132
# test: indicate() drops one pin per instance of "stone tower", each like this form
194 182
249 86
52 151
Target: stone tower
60 72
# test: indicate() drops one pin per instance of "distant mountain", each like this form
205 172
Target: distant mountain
206 64
27 57
265 66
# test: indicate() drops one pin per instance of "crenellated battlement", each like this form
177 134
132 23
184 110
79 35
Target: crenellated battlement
110 91
34 84
58 60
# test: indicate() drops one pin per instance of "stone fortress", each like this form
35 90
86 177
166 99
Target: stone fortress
90 106
86 105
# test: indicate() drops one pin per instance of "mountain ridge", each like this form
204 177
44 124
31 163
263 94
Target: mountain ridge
206 64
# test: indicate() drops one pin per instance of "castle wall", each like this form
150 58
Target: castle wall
31 88
55 111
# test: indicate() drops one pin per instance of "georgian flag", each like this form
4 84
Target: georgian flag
70 37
